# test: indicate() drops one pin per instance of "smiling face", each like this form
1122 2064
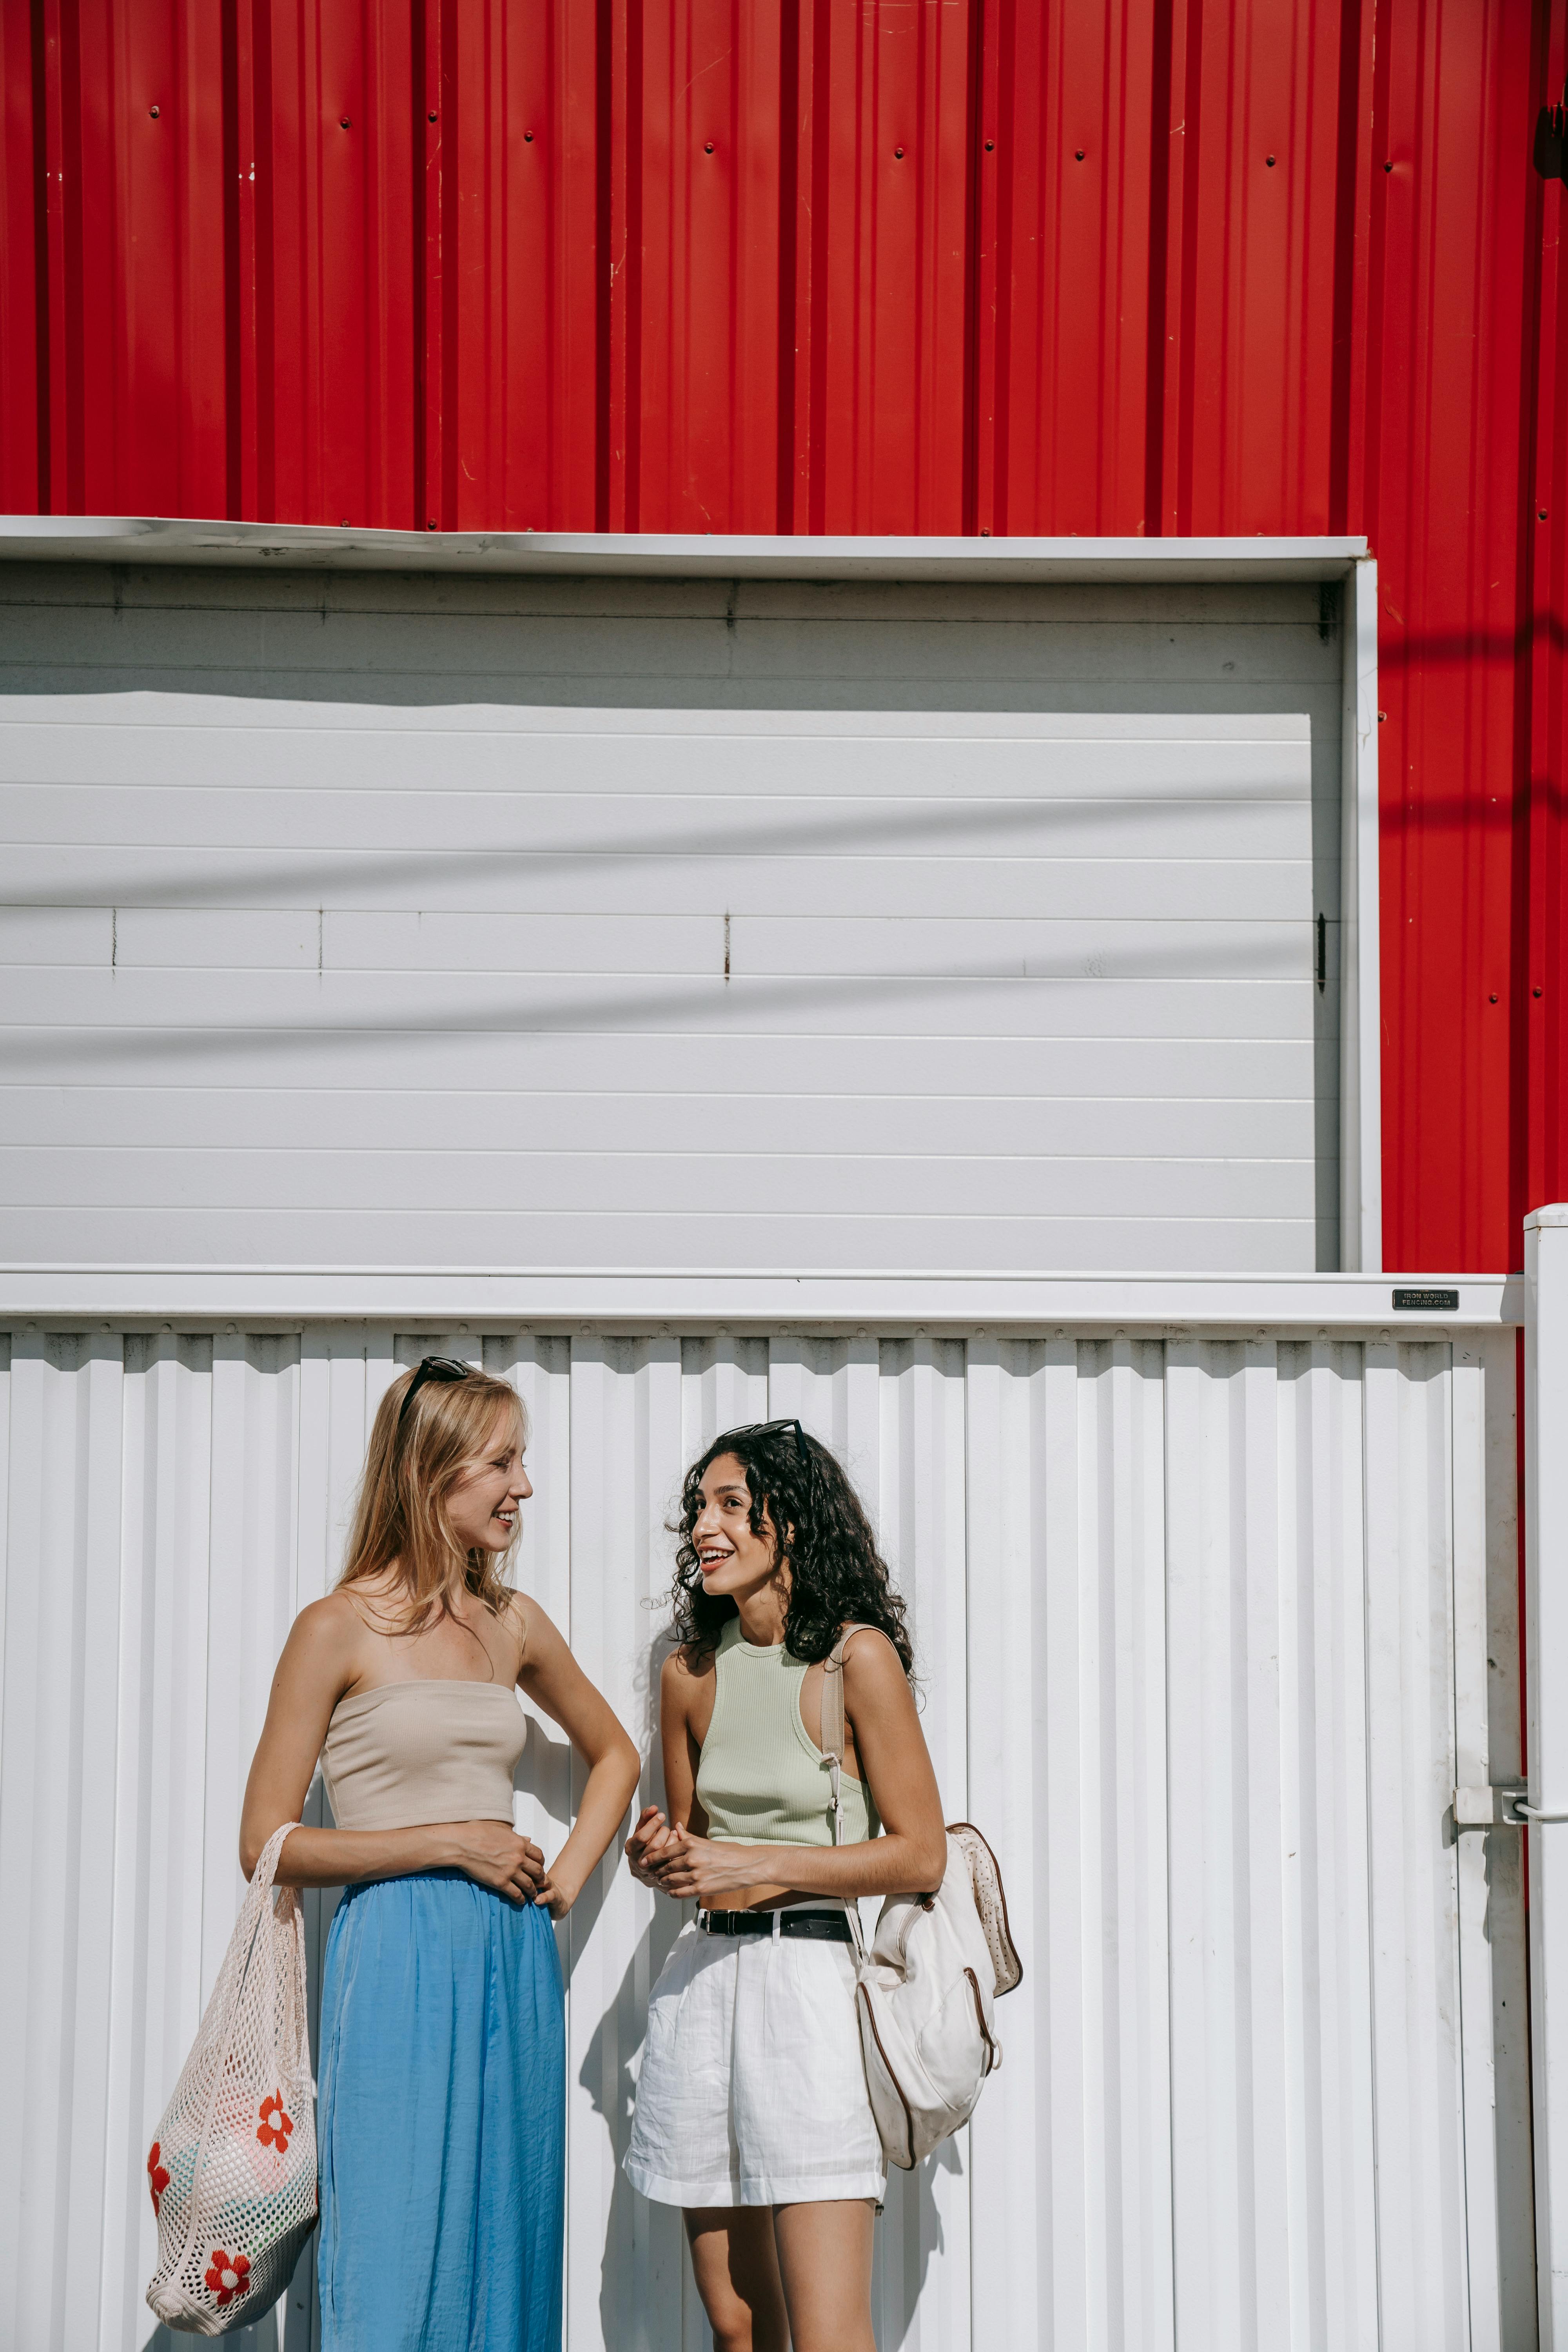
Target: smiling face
735 1558
483 1502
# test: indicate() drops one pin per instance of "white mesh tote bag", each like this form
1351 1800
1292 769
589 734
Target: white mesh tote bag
233 2170
925 1994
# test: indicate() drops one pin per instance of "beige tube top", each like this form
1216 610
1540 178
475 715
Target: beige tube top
407 1753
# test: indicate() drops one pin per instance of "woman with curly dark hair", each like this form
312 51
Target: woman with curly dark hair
751 2111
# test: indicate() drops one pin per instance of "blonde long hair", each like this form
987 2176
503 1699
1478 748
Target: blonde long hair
410 1468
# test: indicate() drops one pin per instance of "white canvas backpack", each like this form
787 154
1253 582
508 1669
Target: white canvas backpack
925 1994
233 2170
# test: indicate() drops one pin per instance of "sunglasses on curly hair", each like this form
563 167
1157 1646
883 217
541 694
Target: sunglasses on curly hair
770 1429
444 1368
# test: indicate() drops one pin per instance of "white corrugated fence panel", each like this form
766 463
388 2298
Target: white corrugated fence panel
1202 1627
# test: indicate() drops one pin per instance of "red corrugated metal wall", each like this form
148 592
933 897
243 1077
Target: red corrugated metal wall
1166 266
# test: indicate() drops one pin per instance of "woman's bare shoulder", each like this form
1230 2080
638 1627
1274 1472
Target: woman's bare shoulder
871 1664
683 1674
325 1645
540 1643
333 1622
518 1613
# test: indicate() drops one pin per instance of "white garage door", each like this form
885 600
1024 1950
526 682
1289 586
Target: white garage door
811 932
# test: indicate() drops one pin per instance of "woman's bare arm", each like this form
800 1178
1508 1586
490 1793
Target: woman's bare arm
685 1709
908 1859
556 1682
315 1669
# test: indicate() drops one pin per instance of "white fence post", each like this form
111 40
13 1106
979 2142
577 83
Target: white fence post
1546 1656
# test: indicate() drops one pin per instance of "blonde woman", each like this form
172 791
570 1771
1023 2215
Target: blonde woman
442 2061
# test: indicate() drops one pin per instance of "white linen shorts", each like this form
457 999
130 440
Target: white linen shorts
751 2089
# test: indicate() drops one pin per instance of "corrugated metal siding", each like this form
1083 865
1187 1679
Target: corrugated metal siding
1186 1614
920 928
1461 243
1154 266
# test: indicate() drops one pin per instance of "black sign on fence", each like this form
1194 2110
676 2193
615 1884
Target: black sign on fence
1427 1302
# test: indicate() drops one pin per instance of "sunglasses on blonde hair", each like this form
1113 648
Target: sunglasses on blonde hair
445 1368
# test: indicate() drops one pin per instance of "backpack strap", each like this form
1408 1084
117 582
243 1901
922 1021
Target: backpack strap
832 1744
832 1741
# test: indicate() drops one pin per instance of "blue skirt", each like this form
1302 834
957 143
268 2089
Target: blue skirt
441 2122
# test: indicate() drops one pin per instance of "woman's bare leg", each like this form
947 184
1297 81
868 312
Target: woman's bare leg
824 2261
737 2270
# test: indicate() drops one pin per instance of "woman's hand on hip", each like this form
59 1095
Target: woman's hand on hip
495 1856
695 1869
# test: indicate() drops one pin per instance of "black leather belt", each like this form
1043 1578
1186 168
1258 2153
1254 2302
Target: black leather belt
821 1926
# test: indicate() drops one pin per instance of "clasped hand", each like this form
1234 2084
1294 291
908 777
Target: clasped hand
688 1868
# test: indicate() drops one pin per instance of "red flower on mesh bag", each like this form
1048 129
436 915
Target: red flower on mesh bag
157 2176
275 2126
228 2275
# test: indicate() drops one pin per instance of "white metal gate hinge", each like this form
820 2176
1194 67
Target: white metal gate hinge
1490 1808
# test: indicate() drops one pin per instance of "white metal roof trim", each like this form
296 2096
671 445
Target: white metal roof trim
154 539
632 1299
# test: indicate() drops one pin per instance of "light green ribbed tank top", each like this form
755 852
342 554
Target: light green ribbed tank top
761 1780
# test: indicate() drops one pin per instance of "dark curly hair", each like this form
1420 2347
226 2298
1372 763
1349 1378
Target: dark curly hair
836 1573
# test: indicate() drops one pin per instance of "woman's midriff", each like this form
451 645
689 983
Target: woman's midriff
766 1895
769 1898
